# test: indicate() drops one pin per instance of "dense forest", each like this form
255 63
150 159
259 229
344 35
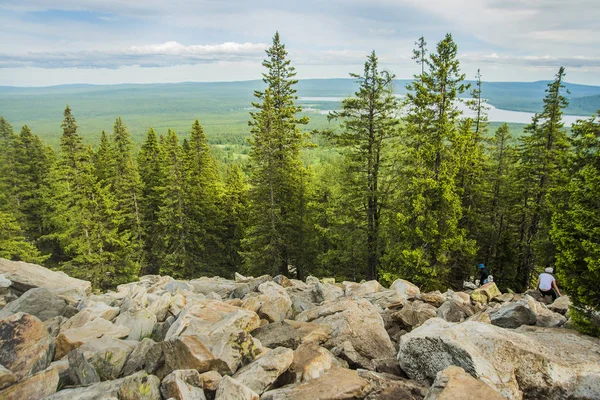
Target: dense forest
417 191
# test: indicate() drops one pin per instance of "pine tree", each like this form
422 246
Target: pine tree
576 226
276 169
151 176
544 152
430 240
369 123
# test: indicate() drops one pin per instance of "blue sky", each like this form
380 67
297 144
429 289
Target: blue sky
48 42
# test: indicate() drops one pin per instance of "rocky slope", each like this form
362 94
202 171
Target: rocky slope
278 338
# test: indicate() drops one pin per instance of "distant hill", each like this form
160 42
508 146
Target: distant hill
222 107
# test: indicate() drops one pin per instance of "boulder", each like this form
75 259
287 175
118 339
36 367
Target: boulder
25 345
108 356
81 371
454 383
147 355
140 322
174 286
140 387
454 311
513 315
482 317
485 293
436 298
389 387
338 383
283 281
561 305
386 299
361 289
75 337
184 384
210 380
545 317
135 296
204 285
159 306
260 375
532 362
53 325
310 362
358 332
273 304
251 286
405 289
322 292
99 391
504 298
413 314
7 378
4 285
224 352
302 300
39 302
291 334
231 389
25 276
36 386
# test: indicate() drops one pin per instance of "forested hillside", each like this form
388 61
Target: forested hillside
424 194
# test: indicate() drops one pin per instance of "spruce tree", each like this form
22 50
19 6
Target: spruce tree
543 155
368 123
103 159
430 240
271 244
235 209
576 226
151 170
13 243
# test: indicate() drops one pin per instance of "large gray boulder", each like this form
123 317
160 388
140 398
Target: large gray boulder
230 389
140 322
291 334
264 371
73 338
99 391
108 356
513 315
147 355
357 330
25 276
454 383
184 384
37 386
41 303
530 362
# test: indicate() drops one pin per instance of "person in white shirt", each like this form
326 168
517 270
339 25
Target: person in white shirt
547 284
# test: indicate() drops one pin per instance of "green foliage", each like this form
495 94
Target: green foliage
13 244
369 123
576 224
274 236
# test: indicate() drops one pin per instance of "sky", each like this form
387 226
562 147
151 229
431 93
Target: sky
51 42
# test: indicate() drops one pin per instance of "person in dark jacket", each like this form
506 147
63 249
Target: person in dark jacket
483 274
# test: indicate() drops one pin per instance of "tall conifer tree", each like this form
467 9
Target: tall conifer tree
276 169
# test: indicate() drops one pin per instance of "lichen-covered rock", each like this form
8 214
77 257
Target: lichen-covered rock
75 337
183 384
25 345
147 355
358 331
140 387
532 362
36 386
108 356
454 383
140 322
291 334
264 371
231 389
485 293
81 371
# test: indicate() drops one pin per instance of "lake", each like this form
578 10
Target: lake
494 114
